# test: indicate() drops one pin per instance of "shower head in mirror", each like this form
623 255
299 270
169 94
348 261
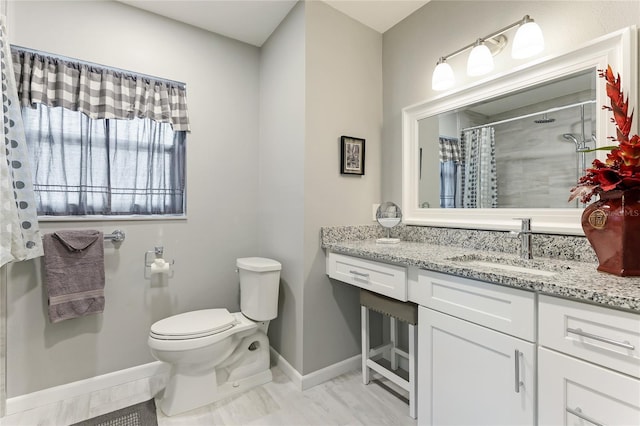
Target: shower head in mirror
388 216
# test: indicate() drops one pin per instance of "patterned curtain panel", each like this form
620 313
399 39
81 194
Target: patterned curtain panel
479 182
97 91
449 164
19 232
449 149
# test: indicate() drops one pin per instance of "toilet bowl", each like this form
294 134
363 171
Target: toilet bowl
214 353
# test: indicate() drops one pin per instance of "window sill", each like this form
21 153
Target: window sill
104 218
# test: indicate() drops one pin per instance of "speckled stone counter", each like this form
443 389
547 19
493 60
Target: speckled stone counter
571 278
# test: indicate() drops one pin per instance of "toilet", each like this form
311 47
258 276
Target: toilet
215 353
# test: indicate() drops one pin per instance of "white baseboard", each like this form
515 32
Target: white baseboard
287 369
83 387
157 368
320 376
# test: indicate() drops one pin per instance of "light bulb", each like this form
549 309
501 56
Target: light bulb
442 78
480 60
528 40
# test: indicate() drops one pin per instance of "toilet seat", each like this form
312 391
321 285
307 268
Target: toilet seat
194 324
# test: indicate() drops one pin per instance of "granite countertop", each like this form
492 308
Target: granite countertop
572 279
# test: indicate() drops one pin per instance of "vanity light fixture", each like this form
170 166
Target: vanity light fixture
480 60
442 78
527 42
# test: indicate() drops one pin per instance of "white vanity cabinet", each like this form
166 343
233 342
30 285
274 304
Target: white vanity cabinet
476 352
588 364
495 355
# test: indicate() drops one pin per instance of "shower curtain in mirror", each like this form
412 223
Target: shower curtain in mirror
479 181
19 232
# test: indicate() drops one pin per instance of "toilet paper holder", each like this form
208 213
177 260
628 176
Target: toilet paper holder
154 263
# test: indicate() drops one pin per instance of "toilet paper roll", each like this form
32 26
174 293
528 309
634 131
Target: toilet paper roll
160 266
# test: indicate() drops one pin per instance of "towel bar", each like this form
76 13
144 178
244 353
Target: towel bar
116 236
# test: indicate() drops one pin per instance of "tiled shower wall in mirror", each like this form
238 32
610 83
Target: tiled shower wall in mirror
539 157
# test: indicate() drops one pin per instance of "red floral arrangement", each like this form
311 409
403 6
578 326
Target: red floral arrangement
621 169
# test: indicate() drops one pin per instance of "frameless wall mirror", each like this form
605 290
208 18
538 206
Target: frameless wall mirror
513 146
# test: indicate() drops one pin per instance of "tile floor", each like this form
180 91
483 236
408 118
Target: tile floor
341 401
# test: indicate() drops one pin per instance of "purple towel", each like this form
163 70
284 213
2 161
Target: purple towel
74 273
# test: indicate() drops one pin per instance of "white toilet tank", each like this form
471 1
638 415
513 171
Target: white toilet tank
259 286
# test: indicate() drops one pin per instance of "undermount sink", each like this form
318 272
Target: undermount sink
524 266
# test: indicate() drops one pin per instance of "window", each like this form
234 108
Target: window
103 141
84 166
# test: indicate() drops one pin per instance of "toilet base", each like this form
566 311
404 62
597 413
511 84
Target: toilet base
243 385
246 368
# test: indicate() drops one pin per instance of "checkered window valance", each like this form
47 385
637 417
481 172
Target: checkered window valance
99 92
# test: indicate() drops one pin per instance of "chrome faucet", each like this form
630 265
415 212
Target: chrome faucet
525 234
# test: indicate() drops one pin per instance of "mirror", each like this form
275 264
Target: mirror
521 150
388 216
515 145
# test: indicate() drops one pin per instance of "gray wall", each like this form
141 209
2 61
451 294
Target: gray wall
344 97
412 48
320 79
429 131
281 173
222 79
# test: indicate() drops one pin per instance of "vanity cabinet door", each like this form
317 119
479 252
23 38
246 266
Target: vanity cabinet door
576 392
472 375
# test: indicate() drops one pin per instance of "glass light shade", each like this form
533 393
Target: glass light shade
528 41
442 78
480 61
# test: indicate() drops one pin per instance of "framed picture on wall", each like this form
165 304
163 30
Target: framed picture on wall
351 155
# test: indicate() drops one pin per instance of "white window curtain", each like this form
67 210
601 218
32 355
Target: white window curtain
19 232
104 167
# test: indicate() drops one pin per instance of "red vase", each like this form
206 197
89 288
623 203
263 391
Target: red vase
612 226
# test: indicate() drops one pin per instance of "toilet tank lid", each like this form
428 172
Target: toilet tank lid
258 264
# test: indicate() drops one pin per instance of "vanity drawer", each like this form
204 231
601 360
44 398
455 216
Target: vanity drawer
601 335
383 278
500 308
